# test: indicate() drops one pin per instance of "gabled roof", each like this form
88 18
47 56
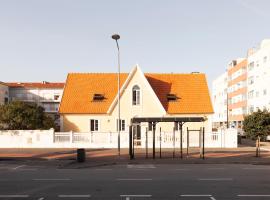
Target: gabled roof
35 85
191 89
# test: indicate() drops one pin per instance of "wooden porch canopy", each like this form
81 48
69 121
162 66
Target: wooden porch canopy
153 121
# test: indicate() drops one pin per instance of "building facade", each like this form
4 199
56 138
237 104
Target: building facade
237 92
4 93
45 94
90 104
219 99
247 87
259 77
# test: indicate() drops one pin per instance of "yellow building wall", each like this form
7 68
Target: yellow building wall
149 107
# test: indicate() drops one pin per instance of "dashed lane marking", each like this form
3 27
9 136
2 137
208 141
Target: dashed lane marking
134 179
14 196
51 179
215 179
74 196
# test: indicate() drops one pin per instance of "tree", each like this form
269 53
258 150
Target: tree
257 124
19 115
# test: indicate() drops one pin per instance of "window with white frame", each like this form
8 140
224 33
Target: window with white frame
251 80
136 95
122 124
251 66
94 125
265 92
265 59
250 94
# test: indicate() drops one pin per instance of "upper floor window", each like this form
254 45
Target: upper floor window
251 66
265 59
136 95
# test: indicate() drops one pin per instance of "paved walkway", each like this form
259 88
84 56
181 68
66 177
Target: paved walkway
245 153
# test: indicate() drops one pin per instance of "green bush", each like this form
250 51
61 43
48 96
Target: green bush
19 115
257 124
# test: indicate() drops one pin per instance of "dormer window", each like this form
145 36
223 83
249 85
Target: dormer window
98 97
172 97
136 95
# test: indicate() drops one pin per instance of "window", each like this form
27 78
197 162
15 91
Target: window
265 59
264 92
94 125
136 95
56 97
251 109
251 80
257 93
250 94
98 97
6 100
171 97
122 125
251 66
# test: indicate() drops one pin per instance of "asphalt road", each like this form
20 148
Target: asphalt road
137 182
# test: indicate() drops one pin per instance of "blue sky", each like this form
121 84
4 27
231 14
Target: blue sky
46 39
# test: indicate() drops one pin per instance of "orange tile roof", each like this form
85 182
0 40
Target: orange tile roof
192 90
36 84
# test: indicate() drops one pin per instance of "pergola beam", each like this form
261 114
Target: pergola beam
167 119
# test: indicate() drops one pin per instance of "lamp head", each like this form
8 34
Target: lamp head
116 37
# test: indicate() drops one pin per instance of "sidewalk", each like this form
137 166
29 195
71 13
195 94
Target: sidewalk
66 158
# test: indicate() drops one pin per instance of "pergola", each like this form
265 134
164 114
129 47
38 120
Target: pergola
154 121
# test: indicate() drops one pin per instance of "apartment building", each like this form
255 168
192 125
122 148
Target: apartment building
247 85
219 99
237 92
259 77
46 94
4 93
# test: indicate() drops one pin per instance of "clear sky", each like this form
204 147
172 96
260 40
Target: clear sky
46 39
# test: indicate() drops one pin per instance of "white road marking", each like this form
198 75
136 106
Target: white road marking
215 179
20 166
51 179
41 198
141 166
134 179
74 196
253 195
138 196
216 168
198 195
258 168
180 169
14 196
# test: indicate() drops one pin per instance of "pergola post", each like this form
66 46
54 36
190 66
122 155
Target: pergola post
131 155
187 141
173 142
181 139
154 139
203 142
146 142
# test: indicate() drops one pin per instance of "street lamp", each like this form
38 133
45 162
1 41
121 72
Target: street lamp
116 37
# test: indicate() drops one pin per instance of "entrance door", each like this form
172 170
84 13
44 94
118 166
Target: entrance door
137 135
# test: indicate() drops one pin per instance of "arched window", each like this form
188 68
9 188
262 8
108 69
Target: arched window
136 95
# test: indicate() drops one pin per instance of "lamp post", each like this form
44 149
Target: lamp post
116 37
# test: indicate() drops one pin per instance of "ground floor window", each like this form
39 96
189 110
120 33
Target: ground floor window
121 124
176 126
94 125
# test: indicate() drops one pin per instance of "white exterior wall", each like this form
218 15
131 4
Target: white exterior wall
3 93
260 74
219 98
